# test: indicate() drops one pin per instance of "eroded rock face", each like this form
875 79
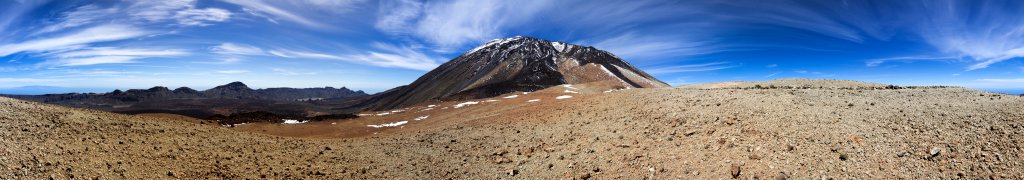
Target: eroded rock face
518 64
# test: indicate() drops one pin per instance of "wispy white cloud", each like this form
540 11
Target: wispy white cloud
13 11
692 68
102 33
396 16
230 53
451 24
80 16
111 51
979 30
232 71
773 74
879 61
386 56
287 72
182 11
632 46
106 55
237 49
968 30
260 6
91 60
201 17
302 12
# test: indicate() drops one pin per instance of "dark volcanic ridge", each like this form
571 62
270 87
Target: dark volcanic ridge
235 97
517 64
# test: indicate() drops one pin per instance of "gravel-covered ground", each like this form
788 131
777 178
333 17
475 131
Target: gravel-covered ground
750 130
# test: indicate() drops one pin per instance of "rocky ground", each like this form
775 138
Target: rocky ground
749 130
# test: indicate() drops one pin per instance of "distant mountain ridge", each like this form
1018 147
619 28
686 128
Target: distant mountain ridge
234 90
225 99
517 64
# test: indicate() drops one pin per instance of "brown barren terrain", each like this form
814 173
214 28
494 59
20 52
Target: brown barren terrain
791 128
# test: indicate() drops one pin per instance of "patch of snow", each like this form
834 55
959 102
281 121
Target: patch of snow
292 121
510 97
524 93
465 104
494 42
491 100
383 113
421 118
534 100
363 114
489 43
559 46
430 106
444 108
427 109
568 91
333 123
569 86
399 123
563 97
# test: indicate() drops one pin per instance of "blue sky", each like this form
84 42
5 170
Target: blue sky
376 45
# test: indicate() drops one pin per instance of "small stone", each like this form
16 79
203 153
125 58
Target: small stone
170 173
935 151
735 171
501 160
585 176
843 157
782 176
513 172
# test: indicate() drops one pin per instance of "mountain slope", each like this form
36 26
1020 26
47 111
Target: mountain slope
830 130
518 64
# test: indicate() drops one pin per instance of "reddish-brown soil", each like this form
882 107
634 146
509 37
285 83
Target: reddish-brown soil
802 129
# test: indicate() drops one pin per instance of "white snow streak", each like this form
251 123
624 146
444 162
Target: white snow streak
421 118
533 100
399 123
563 97
510 97
465 104
292 121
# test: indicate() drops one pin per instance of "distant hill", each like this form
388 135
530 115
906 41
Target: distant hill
225 99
